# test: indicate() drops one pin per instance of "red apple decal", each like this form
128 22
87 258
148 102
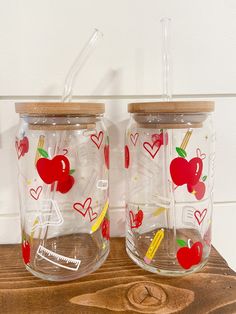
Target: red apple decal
189 256
107 153
106 228
66 185
198 190
187 172
127 157
56 169
22 146
158 139
136 219
179 171
25 143
25 251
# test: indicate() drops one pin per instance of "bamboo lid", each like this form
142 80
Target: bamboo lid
59 108
172 107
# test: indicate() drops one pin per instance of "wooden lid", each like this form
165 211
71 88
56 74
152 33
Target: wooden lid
59 108
172 107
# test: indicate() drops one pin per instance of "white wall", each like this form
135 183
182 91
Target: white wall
40 39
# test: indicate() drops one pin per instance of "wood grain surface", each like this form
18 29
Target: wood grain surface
119 286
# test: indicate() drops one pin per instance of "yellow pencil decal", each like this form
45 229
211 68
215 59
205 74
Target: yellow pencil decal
40 145
186 139
154 246
100 218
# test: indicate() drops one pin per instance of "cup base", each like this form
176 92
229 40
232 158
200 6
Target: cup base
163 272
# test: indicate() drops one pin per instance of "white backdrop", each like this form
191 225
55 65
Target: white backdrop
39 41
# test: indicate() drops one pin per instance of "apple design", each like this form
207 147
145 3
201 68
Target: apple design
198 190
25 143
127 157
106 229
136 219
55 169
187 172
65 186
158 139
189 256
107 153
22 146
25 251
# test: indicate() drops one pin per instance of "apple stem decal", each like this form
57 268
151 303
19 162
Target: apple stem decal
189 256
54 170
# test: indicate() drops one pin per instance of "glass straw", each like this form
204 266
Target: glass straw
166 59
167 96
78 64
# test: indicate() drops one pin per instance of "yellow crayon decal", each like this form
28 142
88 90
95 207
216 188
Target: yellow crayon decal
100 218
154 246
158 211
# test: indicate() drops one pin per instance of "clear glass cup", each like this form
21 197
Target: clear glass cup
63 158
169 158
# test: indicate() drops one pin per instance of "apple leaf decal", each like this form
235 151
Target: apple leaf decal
72 171
181 242
204 178
43 152
181 152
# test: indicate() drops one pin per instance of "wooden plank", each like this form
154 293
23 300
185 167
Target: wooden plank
118 286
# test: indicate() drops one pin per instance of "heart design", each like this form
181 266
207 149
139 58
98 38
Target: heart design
19 149
36 193
83 208
152 149
200 215
134 138
200 154
97 139
92 215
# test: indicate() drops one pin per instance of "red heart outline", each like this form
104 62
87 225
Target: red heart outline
97 139
150 147
85 205
200 215
134 138
36 193
92 215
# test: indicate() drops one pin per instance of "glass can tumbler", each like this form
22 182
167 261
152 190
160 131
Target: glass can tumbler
169 159
63 159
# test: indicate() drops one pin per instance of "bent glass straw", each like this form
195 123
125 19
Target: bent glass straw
78 64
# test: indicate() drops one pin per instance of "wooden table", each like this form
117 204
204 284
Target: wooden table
119 286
